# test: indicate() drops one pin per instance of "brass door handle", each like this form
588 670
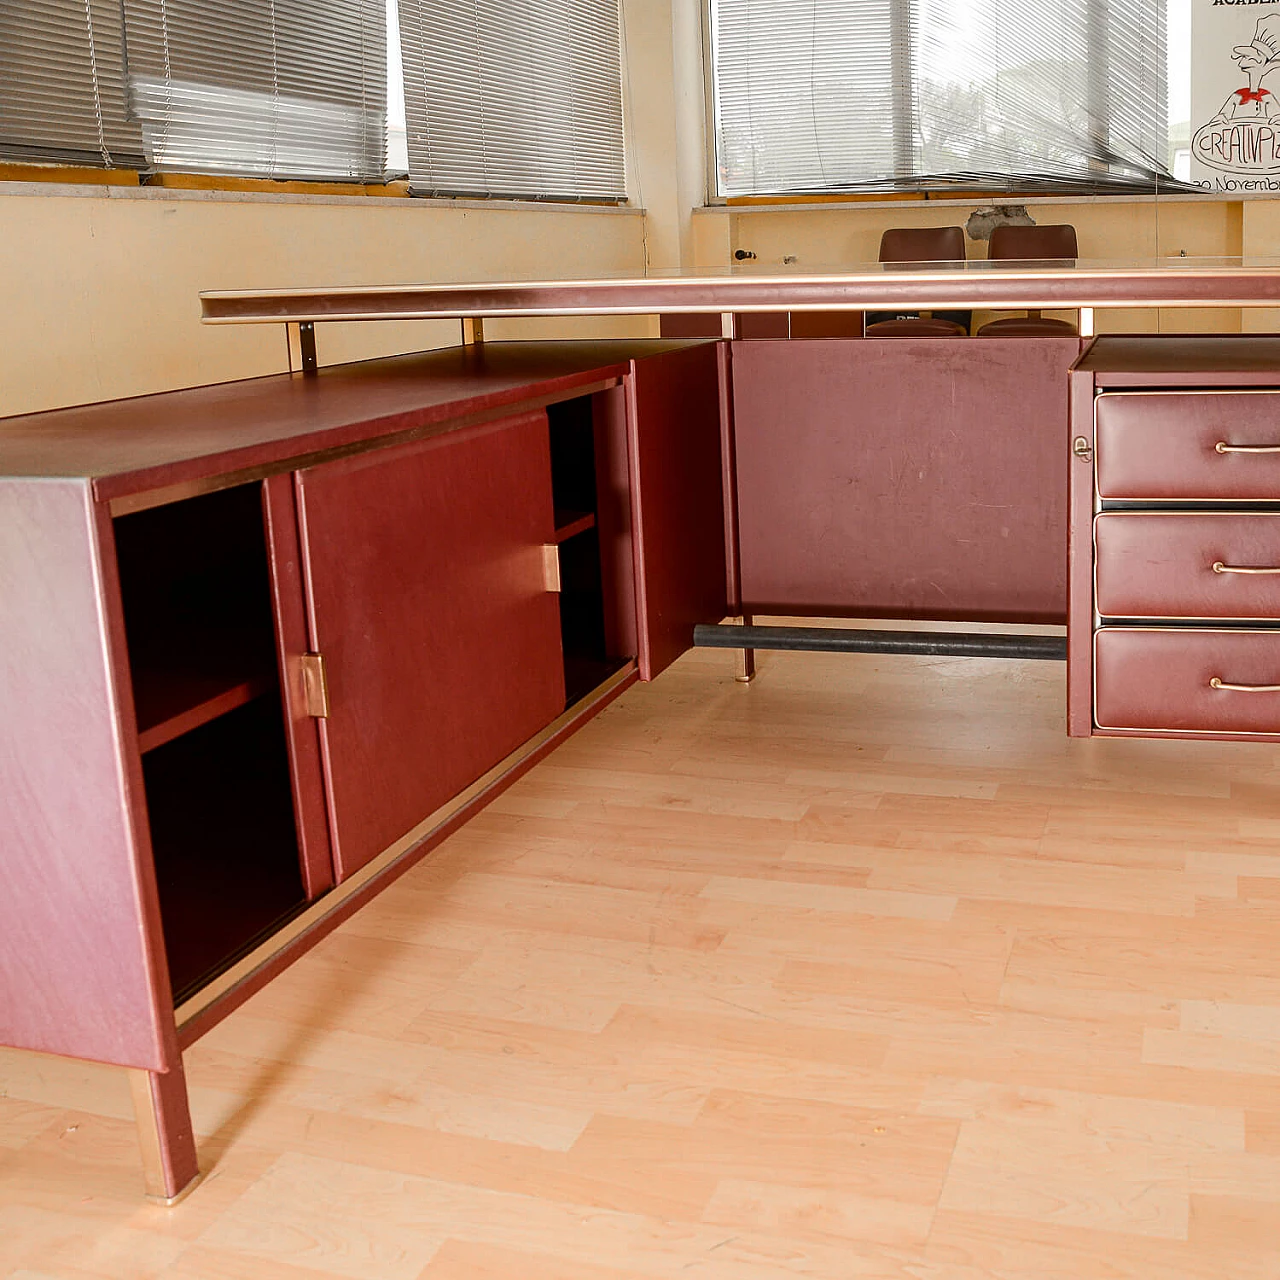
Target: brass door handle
1223 447
1216 683
1219 567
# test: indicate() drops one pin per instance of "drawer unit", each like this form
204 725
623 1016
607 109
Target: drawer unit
1182 566
1174 596
1188 446
1184 680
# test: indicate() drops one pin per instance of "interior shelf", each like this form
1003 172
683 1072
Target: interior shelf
587 661
172 702
571 523
197 608
223 839
196 591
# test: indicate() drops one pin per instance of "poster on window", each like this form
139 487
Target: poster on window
1235 95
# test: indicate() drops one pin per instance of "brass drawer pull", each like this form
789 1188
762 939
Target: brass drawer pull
1219 567
1223 447
1215 683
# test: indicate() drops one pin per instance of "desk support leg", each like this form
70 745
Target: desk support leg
164 1132
746 671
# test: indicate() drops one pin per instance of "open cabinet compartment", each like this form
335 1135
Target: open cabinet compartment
588 659
196 598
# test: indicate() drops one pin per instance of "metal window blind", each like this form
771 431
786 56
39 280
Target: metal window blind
822 95
513 98
262 88
62 97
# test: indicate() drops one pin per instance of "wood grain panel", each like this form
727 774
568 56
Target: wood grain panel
906 479
442 645
678 511
81 966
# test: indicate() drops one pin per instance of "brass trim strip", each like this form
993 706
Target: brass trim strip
1100 497
1150 730
127 504
388 859
1198 621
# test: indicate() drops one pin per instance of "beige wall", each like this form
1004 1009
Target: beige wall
819 236
100 290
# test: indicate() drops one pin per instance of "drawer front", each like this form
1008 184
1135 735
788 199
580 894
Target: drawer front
1163 565
1187 445
1160 679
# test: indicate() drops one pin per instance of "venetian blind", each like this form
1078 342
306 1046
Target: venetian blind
262 88
824 95
513 98
62 97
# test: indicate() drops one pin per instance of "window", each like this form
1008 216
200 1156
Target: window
828 95
513 98
62 92
262 88
469 97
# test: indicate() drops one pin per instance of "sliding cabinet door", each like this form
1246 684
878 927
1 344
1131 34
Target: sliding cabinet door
430 609
677 483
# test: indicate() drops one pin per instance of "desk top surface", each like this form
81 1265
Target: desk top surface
173 438
752 286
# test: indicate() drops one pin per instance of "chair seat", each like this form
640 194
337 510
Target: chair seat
918 327
1028 327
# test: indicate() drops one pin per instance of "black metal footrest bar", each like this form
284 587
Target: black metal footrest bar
951 644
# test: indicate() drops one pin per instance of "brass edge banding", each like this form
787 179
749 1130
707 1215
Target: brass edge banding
331 901
1173 391
1198 621
1149 730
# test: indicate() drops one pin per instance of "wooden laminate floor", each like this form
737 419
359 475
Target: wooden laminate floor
864 971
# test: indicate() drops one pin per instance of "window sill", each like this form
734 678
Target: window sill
741 205
127 184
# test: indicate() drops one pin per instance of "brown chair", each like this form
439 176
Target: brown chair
920 244
1052 244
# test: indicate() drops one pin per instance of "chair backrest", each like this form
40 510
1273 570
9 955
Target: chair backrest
922 244
1044 243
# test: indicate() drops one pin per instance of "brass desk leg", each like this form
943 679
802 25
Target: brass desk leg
746 671
164 1132
472 330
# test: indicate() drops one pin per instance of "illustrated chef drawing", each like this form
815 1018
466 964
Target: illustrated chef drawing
1257 60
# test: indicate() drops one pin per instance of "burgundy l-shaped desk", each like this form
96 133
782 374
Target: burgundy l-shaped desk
264 644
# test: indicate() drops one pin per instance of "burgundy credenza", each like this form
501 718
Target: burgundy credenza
263 644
